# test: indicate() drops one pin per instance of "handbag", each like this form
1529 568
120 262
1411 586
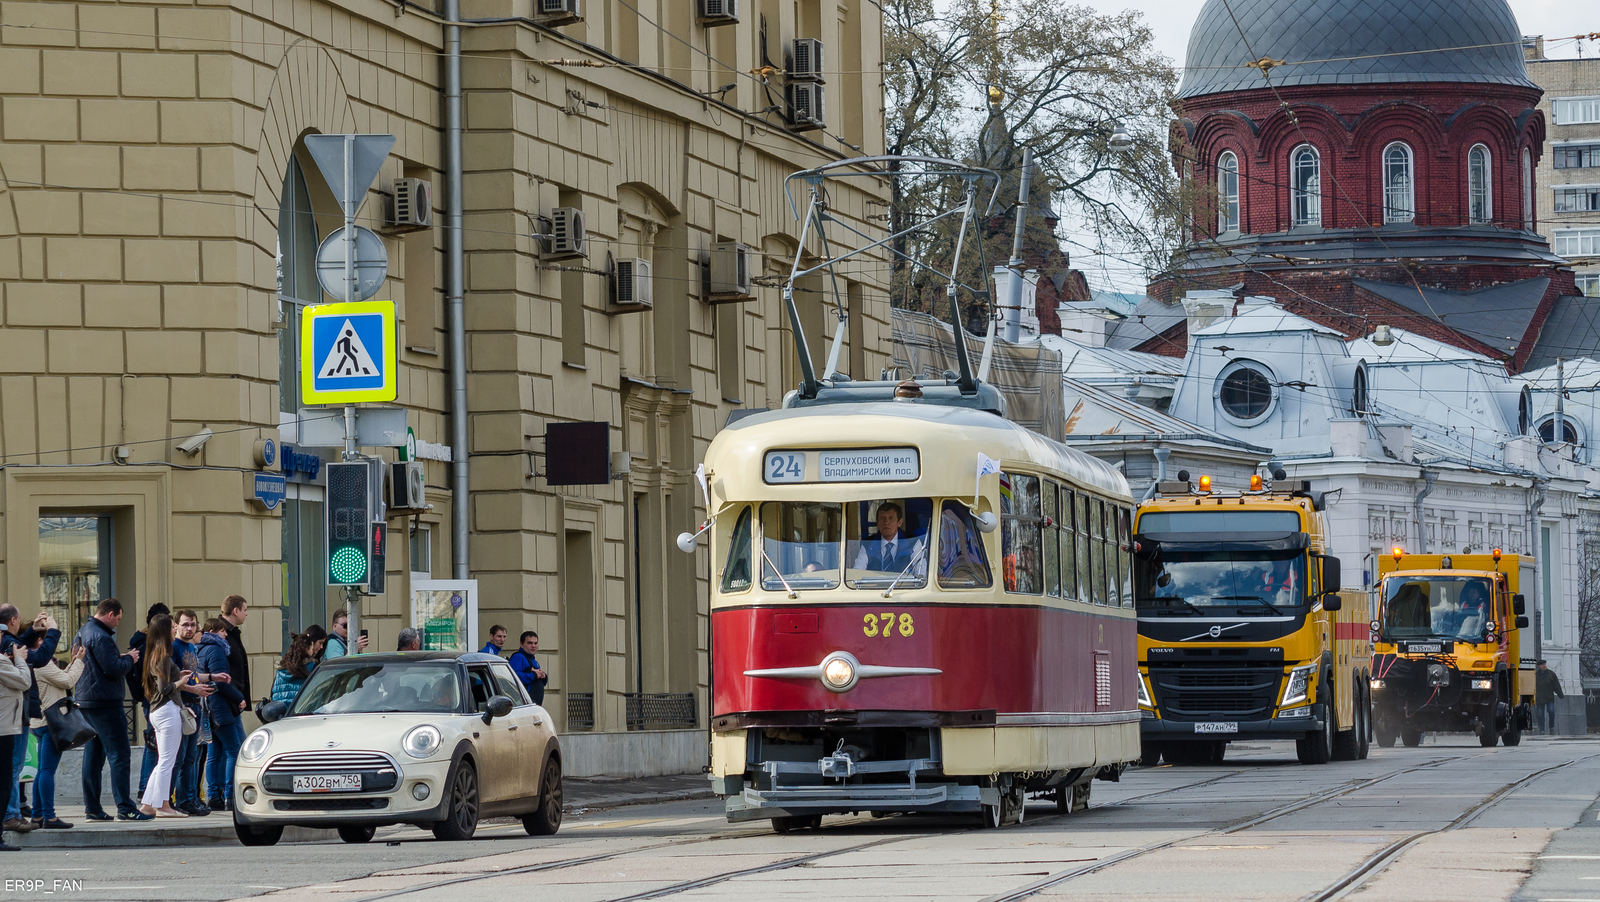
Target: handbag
190 724
68 728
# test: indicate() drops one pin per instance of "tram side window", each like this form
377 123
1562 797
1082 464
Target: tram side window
886 543
1084 542
1051 542
736 573
1019 533
962 561
800 544
1097 550
1125 557
1069 569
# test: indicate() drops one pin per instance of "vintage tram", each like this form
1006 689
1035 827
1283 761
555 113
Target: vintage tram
884 641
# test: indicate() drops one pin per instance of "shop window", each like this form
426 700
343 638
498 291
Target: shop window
74 567
305 584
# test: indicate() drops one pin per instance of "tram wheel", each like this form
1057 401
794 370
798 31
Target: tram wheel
785 824
1412 738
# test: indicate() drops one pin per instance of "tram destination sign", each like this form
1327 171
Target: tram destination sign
842 465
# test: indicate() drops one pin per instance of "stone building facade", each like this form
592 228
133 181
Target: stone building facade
1569 208
157 230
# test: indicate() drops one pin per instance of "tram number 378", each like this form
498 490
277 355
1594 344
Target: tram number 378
884 624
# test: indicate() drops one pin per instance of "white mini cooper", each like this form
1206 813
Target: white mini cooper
435 739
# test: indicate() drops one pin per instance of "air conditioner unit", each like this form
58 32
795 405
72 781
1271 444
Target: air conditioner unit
407 486
631 289
557 12
567 238
805 106
719 12
805 63
730 272
411 207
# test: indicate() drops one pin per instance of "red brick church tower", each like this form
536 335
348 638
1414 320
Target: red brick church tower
1369 162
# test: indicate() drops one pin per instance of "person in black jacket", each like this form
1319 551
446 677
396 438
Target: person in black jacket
136 692
234 610
99 698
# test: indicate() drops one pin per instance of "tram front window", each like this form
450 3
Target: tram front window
1445 607
888 543
800 544
1185 582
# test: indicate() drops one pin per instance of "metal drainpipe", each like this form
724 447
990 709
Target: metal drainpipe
1430 477
1161 455
455 291
1540 488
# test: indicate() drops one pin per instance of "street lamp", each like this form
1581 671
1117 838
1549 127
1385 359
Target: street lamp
1382 336
1121 141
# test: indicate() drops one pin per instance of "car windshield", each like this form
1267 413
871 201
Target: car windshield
381 688
1445 607
1251 581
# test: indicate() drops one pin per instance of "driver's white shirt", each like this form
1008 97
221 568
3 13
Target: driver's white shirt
890 547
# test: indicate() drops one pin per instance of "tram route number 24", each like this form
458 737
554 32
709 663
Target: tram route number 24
884 624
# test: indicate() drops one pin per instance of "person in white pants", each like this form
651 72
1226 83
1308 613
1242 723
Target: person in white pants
163 681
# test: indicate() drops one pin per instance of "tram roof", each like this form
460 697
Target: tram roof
950 438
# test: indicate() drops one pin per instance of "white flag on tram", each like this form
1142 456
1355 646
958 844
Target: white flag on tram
986 465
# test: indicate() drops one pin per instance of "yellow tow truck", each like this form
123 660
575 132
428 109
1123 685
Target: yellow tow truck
1244 632
1447 647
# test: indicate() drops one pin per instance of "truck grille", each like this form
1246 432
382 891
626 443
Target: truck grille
1200 693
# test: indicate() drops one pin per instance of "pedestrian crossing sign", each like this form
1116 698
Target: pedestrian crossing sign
347 353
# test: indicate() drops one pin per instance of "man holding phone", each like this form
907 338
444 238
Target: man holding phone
99 697
339 637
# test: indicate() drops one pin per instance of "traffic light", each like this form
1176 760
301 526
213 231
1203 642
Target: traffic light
349 523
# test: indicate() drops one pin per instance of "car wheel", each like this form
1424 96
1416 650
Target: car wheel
256 836
547 820
357 834
461 818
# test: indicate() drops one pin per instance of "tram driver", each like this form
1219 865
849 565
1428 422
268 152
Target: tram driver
891 551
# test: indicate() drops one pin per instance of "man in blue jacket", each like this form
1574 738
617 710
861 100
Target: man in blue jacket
99 697
227 733
527 667
497 641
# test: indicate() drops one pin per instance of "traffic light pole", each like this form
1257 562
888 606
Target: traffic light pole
352 594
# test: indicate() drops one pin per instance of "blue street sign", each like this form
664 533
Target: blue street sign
348 353
270 489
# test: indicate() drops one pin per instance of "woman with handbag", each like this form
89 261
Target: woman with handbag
163 682
54 684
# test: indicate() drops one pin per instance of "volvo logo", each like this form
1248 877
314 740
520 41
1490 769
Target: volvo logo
1215 631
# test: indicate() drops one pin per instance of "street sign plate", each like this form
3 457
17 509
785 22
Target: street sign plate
347 353
367 153
370 269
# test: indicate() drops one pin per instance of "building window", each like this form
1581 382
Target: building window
297 279
1575 156
1589 284
1527 189
421 553
1228 191
1480 197
1305 179
1579 199
1245 392
1569 430
74 568
1572 243
1577 110
1399 200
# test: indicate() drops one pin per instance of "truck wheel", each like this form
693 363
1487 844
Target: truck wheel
1487 737
1363 719
1513 733
1385 739
1218 752
1412 738
1317 746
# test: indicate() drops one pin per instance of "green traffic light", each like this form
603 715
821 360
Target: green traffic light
348 566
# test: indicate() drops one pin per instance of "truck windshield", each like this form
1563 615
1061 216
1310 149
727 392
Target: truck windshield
1188 582
1427 607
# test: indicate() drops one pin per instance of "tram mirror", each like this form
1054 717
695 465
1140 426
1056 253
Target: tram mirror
686 542
1519 604
986 521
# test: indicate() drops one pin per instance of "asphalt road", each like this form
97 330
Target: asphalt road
1446 821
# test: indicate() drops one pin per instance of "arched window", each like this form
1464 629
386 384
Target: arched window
1305 186
1228 194
1399 195
1245 392
1527 189
1480 197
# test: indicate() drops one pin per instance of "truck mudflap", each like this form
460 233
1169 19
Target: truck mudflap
1215 730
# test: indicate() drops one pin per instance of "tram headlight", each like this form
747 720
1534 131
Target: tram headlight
839 671
1298 684
1144 693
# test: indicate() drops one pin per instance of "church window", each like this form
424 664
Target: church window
1527 189
1228 192
1399 196
1305 179
1480 198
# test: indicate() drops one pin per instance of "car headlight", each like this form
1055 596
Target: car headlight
1299 682
420 742
839 671
1144 694
256 745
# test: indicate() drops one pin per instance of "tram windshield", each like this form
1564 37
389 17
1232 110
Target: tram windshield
1190 582
1445 607
880 544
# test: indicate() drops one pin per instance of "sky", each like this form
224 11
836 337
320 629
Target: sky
1171 21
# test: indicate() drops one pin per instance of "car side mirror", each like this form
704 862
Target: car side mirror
1330 576
1522 623
1331 601
271 711
1519 604
499 706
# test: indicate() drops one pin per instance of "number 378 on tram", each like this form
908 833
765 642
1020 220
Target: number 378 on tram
894 632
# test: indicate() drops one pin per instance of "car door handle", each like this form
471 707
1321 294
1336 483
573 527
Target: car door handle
512 728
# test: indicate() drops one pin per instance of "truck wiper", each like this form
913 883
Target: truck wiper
1253 598
1168 598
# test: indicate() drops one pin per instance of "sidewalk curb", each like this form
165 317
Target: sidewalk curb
605 803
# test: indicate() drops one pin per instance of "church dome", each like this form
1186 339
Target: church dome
1353 42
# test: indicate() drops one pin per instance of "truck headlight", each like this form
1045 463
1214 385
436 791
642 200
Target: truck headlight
1144 694
256 745
421 741
1299 681
1483 684
1377 684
